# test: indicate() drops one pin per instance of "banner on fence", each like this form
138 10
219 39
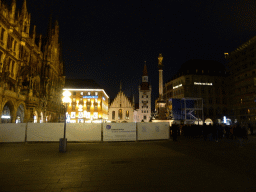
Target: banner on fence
119 132
153 131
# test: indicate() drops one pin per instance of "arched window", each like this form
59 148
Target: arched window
113 115
127 115
120 116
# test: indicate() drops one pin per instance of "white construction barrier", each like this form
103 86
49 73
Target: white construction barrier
119 131
12 132
45 131
153 131
83 132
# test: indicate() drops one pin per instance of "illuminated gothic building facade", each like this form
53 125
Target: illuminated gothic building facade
31 69
201 79
121 109
89 102
242 81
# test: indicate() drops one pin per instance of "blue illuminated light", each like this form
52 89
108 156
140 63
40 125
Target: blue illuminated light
90 97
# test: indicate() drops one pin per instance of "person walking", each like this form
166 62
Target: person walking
251 128
239 132
174 131
227 129
205 131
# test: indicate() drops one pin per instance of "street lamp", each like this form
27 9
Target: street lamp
63 141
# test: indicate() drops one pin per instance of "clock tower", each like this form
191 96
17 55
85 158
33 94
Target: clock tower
144 97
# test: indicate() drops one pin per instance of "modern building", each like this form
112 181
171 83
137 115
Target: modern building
242 83
201 79
121 109
31 69
144 111
89 101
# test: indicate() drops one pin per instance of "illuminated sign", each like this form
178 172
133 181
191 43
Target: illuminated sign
199 83
90 97
6 117
225 119
177 86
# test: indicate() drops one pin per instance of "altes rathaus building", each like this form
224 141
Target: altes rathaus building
31 69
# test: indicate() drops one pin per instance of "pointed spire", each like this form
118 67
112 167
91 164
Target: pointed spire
13 11
24 7
56 27
40 42
133 101
145 71
34 34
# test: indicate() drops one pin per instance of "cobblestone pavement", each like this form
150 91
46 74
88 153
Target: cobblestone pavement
185 165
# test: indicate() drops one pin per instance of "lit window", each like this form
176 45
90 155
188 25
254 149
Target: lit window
95 115
81 93
73 114
89 93
96 93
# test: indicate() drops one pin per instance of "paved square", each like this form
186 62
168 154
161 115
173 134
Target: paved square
186 165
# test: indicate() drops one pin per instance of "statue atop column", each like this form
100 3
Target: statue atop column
161 103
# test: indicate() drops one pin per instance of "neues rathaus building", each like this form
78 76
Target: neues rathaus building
31 69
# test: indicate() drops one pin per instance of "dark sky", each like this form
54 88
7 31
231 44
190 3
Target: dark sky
109 41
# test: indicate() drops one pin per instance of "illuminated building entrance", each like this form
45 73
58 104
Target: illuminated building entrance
20 114
6 114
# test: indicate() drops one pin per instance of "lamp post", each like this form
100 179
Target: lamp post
63 141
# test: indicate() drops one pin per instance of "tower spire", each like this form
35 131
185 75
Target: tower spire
13 10
24 7
34 34
145 71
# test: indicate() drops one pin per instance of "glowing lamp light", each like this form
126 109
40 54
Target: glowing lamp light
66 93
66 100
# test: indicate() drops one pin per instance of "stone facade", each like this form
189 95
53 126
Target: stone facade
144 111
242 81
31 69
89 102
121 109
201 79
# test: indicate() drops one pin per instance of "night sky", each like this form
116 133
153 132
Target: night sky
109 42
